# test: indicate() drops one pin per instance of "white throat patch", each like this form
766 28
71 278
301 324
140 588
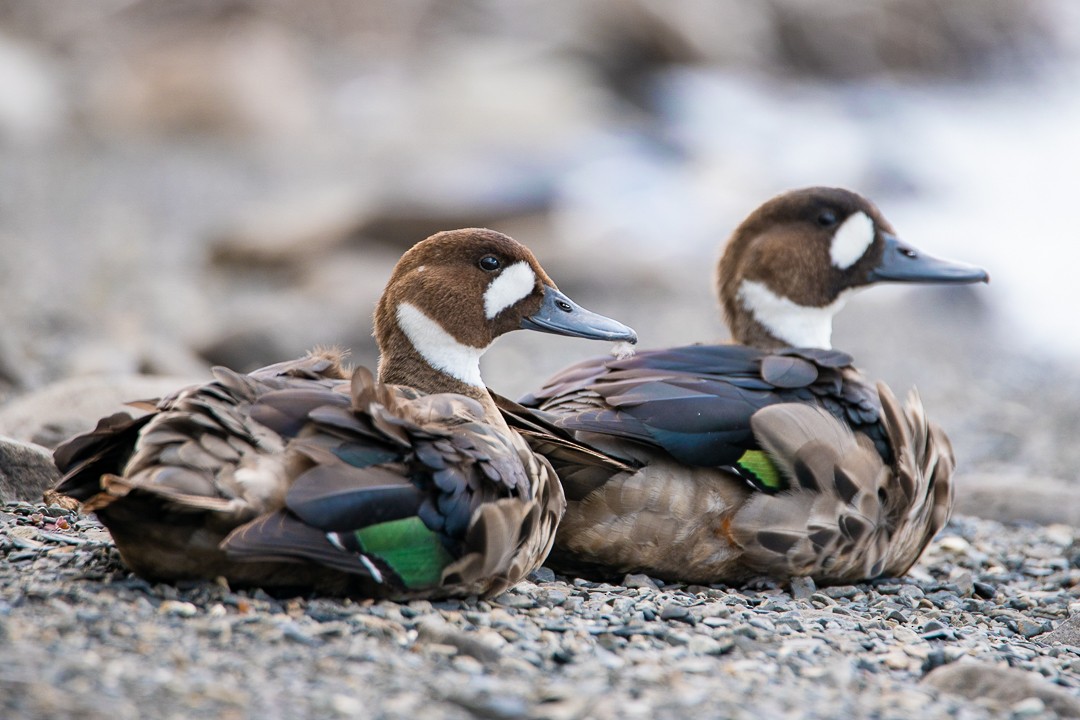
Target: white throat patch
851 240
441 350
513 284
797 325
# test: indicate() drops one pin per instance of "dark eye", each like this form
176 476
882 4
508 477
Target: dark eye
490 263
827 218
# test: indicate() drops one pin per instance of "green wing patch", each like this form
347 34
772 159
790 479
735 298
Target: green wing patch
756 467
409 548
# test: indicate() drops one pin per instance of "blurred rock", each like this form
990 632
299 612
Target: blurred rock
932 38
1018 497
259 320
292 230
1001 686
51 415
1066 633
245 349
239 77
32 106
26 471
12 360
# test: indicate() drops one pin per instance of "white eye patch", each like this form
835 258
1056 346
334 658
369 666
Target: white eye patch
851 240
513 284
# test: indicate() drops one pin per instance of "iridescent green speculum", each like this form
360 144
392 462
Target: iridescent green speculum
755 466
409 548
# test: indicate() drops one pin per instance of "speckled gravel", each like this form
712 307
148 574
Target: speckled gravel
80 636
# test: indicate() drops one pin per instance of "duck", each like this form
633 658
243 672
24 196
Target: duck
308 476
769 457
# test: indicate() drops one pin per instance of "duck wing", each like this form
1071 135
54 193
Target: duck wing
199 447
695 402
417 491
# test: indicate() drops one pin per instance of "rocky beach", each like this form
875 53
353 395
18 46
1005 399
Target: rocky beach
230 183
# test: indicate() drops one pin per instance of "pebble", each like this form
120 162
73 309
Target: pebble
803 588
178 608
640 581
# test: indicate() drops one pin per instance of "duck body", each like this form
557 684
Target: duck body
307 476
769 463
771 457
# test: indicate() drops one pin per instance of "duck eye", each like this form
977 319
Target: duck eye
489 263
827 218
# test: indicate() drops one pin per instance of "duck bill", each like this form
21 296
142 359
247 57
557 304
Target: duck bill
562 316
902 263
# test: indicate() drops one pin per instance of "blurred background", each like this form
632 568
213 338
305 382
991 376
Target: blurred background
229 182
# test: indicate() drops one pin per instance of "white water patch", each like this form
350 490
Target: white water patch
851 240
513 284
797 325
441 349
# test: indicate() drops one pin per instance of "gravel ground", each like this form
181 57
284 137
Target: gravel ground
84 637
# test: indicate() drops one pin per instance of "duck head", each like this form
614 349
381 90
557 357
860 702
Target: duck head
790 266
451 295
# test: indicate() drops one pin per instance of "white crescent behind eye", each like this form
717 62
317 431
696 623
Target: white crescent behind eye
513 284
851 240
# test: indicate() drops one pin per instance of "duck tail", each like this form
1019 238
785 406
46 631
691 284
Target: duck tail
919 500
846 515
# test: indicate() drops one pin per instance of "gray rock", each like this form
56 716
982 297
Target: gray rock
1044 500
1067 633
51 415
437 631
293 230
802 588
1001 685
640 581
26 471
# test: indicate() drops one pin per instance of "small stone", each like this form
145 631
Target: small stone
640 581
936 630
178 608
838 592
434 629
1030 628
467 664
964 582
1006 685
905 635
513 600
802 588
954 544
673 611
26 470
1067 633
1028 707
346 705
897 660
542 575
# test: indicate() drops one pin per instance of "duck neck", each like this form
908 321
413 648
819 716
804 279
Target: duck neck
418 353
760 318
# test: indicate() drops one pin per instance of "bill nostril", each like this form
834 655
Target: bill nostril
564 306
